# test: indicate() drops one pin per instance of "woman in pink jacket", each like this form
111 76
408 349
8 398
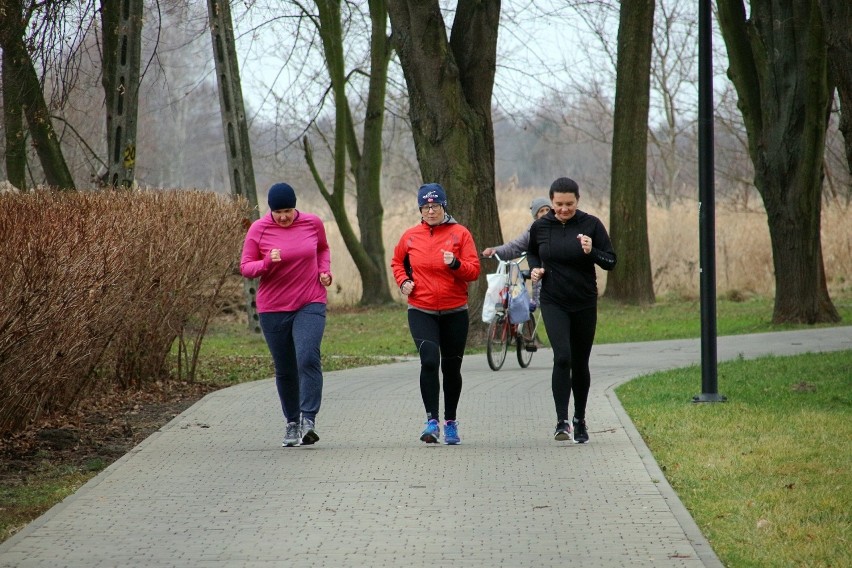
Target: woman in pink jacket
288 251
432 264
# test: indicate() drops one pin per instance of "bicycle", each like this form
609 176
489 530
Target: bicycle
502 330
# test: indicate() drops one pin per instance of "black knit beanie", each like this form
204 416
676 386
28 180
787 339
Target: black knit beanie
281 196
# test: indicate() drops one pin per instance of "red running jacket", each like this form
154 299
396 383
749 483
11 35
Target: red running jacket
418 256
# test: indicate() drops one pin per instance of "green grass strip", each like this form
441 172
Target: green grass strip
768 474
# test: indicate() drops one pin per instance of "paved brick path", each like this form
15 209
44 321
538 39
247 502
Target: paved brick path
214 488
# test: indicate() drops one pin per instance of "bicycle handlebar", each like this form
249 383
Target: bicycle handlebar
497 256
525 274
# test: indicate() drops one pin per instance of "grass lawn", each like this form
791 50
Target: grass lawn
767 475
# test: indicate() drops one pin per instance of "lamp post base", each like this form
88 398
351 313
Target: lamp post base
710 397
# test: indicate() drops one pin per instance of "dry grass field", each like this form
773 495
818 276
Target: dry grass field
743 252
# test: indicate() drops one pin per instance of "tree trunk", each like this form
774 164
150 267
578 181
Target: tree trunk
13 127
631 282
795 257
368 165
110 11
231 105
368 253
20 66
837 16
122 53
449 87
234 124
779 67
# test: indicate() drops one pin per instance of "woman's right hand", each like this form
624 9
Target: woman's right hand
275 255
407 287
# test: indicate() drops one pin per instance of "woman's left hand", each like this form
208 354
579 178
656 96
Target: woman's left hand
325 279
585 242
449 257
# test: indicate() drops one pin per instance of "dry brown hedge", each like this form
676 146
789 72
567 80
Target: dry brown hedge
96 287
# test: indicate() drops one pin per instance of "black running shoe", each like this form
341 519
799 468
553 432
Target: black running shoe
563 431
581 433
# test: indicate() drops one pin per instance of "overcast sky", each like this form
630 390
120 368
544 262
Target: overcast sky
541 46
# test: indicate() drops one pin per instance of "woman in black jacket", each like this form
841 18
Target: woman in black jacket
565 245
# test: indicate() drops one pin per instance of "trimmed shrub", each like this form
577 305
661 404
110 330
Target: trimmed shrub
96 287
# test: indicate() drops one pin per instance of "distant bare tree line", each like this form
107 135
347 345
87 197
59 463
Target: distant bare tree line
181 144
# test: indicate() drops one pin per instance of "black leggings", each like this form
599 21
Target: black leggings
440 340
571 335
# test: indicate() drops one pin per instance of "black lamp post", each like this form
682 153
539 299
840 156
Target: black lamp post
706 208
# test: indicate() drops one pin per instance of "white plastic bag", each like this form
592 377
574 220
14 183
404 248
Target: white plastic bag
492 294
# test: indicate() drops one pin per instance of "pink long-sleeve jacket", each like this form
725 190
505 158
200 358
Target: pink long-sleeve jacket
294 282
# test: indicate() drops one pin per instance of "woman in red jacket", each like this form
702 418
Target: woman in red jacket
432 264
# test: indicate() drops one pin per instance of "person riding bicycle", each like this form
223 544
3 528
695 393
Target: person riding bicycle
539 207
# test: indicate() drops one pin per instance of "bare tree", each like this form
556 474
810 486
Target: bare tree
180 137
673 83
178 85
13 126
778 64
25 87
122 49
337 70
632 282
450 82
734 170
837 15
368 253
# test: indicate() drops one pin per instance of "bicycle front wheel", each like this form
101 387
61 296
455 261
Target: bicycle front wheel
498 341
525 342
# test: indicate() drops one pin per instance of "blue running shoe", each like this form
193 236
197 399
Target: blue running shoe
431 433
451 433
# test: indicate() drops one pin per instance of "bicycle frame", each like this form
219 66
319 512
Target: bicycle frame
502 330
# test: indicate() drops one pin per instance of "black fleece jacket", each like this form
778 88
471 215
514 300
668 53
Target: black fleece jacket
569 277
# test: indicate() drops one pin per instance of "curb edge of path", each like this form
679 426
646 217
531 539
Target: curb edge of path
684 518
